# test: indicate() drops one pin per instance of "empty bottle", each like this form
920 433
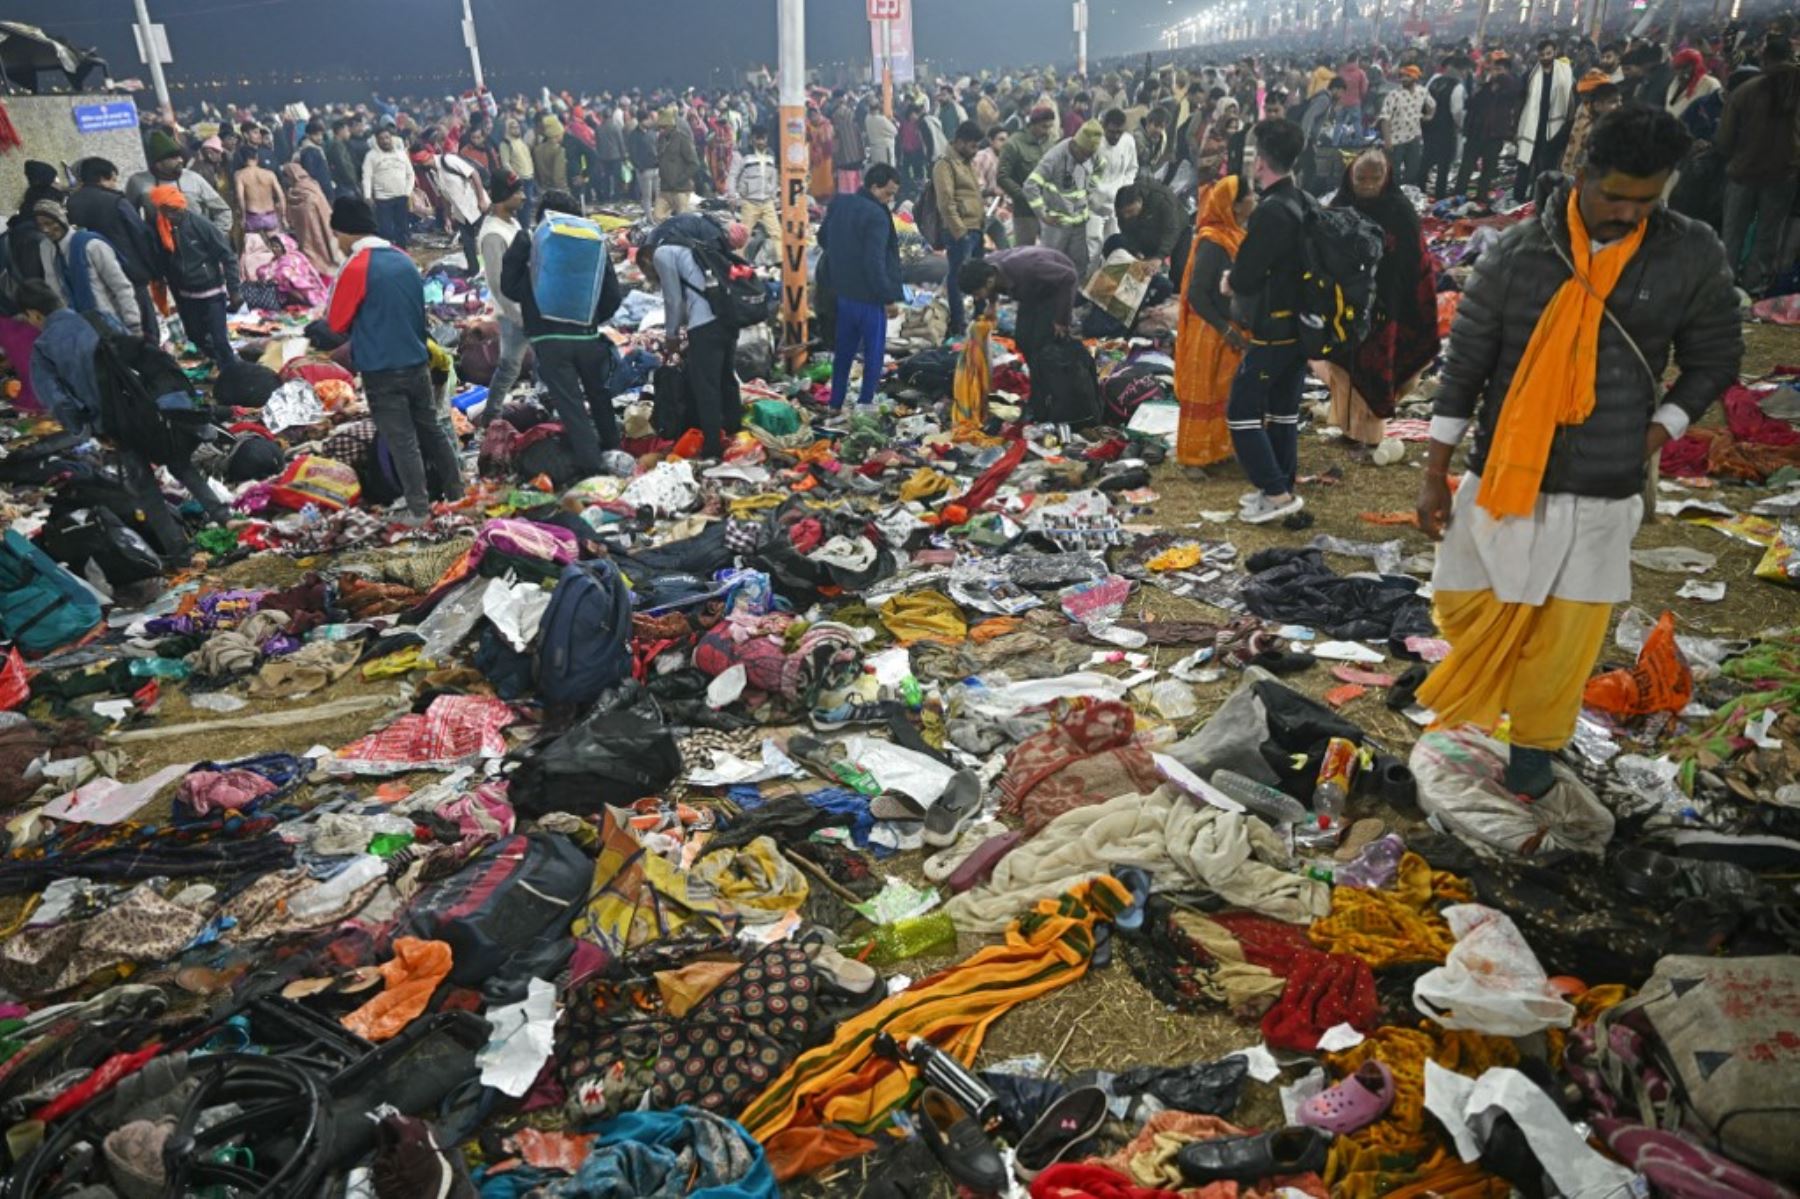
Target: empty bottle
1337 772
1274 806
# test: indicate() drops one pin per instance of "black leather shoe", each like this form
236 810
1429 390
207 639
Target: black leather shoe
1247 1159
958 1142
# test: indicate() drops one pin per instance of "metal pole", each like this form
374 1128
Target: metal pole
791 18
1081 38
1599 29
1530 13
474 46
1487 6
887 69
156 71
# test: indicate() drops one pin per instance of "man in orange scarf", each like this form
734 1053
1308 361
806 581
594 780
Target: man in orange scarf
1557 357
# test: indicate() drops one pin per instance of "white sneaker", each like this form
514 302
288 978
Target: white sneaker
1245 500
1263 509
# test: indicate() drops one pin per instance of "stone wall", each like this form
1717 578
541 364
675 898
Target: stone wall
47 125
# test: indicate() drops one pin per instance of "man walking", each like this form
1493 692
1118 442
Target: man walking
387 184
197 263
1557 358
1760 138
378 301
641 145
341 158
499 230
960 208
1493 114
1059 193
677 168
1404 112
862 263
1115 166
1018 159
1544 119
1449 98
1263 413
310 154
755 184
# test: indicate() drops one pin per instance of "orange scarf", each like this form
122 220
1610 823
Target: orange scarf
167 195
1218 222
1554 384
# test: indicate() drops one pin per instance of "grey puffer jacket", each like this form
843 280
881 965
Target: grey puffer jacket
1674 297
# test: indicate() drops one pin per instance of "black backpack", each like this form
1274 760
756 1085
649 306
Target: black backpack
1065 386
76 537
733 289
1130 387
931 371
611 757
671 408
146 401
1340 250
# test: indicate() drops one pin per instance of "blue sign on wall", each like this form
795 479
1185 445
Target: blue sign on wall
100 118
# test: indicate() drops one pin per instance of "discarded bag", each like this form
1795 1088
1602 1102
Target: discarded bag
1491 982
1459 779
1661 681
611 757
584 636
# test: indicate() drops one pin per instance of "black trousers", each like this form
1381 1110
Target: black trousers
578 374
1441 157
1485 151
713 384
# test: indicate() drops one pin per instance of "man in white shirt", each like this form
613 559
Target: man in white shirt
498 230
387 181
1404 111
1115 165
465 200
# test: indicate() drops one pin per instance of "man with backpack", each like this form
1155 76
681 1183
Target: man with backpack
68 365
575 362
862 261
98 204
691 271
1263 413
378 300
88 276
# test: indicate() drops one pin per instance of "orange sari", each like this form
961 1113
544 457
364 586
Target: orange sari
1204 362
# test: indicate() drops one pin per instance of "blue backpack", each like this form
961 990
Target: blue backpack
42 606
584 640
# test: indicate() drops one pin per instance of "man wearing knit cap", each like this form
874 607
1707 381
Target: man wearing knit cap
88 275
498 230
169 165
1404 112
1060 191
378 300
1018 159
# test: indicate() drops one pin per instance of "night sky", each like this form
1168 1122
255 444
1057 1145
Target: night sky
566 43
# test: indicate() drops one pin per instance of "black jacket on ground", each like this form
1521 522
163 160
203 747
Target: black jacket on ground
1265 278
515 285
1674 297
119 221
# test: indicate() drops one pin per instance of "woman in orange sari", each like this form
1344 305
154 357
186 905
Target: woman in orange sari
820 142
1208 347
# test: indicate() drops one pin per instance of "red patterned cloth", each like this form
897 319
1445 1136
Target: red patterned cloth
1323 989
455 730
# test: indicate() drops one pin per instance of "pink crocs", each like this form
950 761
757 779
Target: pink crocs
1355 1103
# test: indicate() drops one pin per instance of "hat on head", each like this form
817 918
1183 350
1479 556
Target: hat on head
162 146
352 215
506 186
1042 112
1411 72
167 195
1089 136
53 210
1594 80
213 143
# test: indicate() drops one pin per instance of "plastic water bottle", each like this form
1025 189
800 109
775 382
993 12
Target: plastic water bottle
1336 773
1277 807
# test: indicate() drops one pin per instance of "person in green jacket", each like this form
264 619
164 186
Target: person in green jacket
677 165
1017 161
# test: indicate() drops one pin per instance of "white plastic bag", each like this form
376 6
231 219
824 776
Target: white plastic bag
1491 982
1459 775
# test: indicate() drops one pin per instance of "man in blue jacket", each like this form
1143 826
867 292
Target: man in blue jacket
379 300
862 262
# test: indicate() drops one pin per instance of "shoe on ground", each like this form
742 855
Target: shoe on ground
1262 509
962 1149
942 864
847 974
958 805
1355 1103
877 712
1065 1124
1248 1159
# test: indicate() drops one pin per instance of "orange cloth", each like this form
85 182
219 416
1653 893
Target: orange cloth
974 379
1554 384
167 195
412 975
1205 363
